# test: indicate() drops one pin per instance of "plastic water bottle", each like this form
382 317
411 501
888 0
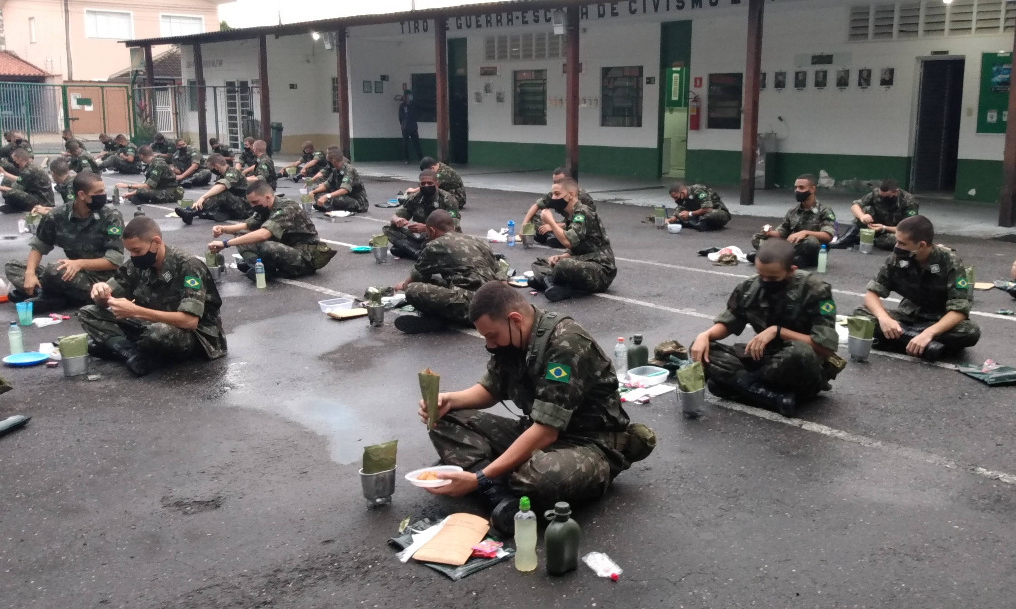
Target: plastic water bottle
511 233
259 274
823 258
525 537
621 359
18 345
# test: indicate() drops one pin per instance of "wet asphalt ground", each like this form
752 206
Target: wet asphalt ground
233 484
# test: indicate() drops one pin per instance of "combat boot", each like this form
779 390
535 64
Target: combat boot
556 292
127 351
849 239
187 215
503 505
753 391
100 350
693 223
537 283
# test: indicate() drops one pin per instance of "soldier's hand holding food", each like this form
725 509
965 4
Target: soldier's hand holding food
101 292
444 404
547 216
462 484
123 308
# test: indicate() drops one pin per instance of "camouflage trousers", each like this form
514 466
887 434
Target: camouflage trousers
158 195
582 275
712 220
280 260
806 250
226 206
24 201
449 304
546 238
786 366
404 242
965 334
121 166
343 203
9 167
77 291
156 339
201 177
567 470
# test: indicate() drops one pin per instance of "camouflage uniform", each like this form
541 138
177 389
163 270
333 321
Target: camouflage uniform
348 178
449 181
65 189
32 188
5 155
120 165
544 203
247 158
928 294
590 267
307 157
703 197
109 148
417 209
83 162
224 150
787 366
450 269
184 285
162 148
99 235
888 214
183 158
819 218
294 249
73 140
162 184
265 169
569 385
232 203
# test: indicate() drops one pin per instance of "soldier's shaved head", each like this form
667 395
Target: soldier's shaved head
141 227
20 154
568 185
496 300
146 151
216 159
427 163
259 147
429 174
917 229
441 221
84 181
59 166
776 251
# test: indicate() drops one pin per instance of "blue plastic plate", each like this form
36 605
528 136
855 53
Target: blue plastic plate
23 360
360 249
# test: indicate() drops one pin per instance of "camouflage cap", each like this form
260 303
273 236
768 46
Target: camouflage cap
668 348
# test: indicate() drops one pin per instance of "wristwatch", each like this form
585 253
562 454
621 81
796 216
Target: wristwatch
483 481
225 243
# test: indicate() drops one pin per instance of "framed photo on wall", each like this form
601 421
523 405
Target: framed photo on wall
800 80
779 80
887 78
821 79
368 87
864 78
842 78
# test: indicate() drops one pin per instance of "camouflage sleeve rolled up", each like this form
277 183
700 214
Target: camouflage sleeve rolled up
577 228
866 203
958 290
820 309
572 370
827 221
44 239
882 284
543 202
194 287
734 317
155 174
787 226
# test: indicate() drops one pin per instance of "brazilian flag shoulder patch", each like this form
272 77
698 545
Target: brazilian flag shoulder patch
827 308
911 213
192 282
962 283
114 230
558 372
579 218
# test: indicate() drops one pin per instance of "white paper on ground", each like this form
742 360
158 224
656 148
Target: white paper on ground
339 214
647 392
42 322
419 540
51 350
732 249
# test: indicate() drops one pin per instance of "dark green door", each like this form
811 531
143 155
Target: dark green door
675 63
458 102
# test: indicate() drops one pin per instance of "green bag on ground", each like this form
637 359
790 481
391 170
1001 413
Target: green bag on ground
528 228
380 457
996 377
74 346
861 327
691 378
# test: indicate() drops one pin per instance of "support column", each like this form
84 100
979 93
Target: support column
441 70
342 69
1007 199
749 125
199 78
266 106
149 82
571 126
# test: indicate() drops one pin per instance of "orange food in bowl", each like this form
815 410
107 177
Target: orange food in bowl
427 476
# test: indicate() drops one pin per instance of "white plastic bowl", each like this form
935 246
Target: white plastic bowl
335 304
674 228
647 376
441 469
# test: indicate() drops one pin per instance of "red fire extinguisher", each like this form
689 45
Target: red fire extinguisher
694 113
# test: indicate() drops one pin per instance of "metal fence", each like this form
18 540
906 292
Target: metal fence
232 112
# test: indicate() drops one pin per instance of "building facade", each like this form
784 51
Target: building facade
915 90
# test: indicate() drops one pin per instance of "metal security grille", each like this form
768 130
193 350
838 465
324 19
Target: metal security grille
929 19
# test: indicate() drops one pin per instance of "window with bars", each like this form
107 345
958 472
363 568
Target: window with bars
529 105
531 45
621 97
929 19
335 94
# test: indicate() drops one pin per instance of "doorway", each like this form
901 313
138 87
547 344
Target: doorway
675 55
458 102
937 137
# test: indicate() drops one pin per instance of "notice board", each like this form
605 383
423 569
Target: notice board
993 102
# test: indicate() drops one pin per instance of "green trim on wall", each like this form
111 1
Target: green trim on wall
376 149
713 166
608 160
984 177
840 167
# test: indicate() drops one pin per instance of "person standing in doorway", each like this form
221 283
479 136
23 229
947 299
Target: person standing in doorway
410 130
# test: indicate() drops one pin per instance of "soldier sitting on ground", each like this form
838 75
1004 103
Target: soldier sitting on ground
160 185
807 226
30 187
588 265
933 318
448 180
80 160
225 200
344 190
109 146
68 138
880 210
279 233
221 149
698 207
451 267
308 164
17 140
89 232
125 160
161 147
407 232
543 233
793 354
574 437
264 168
161 306
63 182
189 166
247 160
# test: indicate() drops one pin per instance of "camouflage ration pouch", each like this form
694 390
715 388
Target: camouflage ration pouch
833 365
321 255
641 442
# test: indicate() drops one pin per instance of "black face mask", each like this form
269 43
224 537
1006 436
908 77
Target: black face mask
772 287
558 205
262 212
144 261
902 254
801 196
97 202
428 191
509 351
889 200
181 149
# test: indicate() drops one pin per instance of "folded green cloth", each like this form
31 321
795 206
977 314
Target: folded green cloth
691 378
74 346
528 228
379 457
379 241
861 327
1002 375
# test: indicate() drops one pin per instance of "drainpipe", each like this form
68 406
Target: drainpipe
67 38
